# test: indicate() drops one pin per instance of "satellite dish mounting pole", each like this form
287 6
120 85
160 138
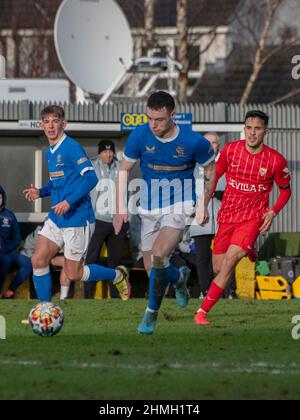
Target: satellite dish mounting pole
119 81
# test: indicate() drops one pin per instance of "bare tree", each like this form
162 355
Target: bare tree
27 48
261 53
283 98
183 58
149 6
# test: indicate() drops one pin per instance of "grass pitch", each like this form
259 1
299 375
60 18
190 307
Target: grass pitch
246 353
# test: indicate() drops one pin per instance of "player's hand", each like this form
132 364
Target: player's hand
31 193
118 221
202 215
265 227
61 208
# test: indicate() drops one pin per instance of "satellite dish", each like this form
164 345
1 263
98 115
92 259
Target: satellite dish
93 43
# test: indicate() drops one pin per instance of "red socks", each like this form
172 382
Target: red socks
212 297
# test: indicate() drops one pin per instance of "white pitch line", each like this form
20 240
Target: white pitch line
252 368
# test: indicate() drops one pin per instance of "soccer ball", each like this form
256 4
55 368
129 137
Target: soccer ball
46 319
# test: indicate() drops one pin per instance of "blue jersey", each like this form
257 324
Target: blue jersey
167 166
67 163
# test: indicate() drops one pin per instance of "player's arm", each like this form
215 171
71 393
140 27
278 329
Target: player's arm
33 193
87 179
87 182
221 167
283 198
121 215
202 213
132 153
205 157
282 179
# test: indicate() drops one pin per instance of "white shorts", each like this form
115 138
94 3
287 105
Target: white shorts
153 223
74 240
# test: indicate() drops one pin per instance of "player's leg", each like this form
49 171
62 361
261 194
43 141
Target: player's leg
65 283
93 253
45 249
162 272
147 258
24 269
238 239
205 272
5 264
76 242
150 226
76 270
217 261
173 226
166 272
221 246
229 261
115 245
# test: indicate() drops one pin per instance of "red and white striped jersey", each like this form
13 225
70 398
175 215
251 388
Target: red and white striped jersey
249 181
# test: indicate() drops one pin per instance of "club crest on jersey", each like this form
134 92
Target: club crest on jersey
287 172
180 152
150 149
58 161
262 171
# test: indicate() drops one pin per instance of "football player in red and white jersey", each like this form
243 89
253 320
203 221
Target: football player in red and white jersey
251 168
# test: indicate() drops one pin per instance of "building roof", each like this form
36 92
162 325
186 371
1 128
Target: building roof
226 82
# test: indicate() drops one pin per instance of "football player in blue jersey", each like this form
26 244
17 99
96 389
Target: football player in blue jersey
71 218
168 155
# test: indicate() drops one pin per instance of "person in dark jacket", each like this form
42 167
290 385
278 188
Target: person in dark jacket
10 240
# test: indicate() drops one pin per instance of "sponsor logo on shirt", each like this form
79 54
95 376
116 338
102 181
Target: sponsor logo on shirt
82 160
150 149
242 186
57 174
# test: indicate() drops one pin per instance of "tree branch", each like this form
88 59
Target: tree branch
287 96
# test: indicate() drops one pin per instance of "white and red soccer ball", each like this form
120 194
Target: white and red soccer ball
46 319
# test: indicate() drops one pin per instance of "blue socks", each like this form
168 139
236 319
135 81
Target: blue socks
98 272
43 286
158 282
173 274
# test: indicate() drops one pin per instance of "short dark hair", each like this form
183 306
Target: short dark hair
258 114
56 110
161 99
